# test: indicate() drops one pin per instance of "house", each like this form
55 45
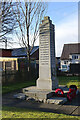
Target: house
7 62
21 53
5 52
57 63
35 53
70 55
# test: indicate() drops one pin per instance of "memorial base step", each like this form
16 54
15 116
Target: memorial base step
57 100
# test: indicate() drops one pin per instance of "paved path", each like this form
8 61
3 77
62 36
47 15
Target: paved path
70 108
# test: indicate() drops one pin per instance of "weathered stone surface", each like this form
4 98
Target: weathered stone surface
20 96
44 94
47 69
37 94
57 100
63 86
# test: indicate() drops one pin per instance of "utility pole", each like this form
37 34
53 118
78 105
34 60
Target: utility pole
5 43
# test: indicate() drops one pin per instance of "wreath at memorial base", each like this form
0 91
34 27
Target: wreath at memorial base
59 92
73 87
72 92
70 95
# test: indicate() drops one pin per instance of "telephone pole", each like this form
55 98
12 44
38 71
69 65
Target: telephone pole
5 41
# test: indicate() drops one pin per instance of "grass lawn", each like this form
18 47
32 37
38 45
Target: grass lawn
66 80
12 112
63 80
16 86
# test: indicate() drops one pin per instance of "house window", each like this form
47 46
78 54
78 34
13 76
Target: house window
64 66
65 62
8 65
75 57
72 57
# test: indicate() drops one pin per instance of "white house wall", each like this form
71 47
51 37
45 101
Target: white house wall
73 61
67 63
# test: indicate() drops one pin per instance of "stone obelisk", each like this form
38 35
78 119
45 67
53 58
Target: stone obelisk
47 66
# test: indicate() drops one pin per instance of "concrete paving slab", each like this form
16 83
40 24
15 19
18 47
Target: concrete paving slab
10 102
27 104
47 107
75 101
77 112
50 106
20 96
38 106
67 109
70 108
57 100
10 95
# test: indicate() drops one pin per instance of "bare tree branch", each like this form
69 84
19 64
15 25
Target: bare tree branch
28 16
7 19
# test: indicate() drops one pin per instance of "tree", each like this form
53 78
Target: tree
7 21
29 16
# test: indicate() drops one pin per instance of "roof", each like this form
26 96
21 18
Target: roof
70 49
5 49
35 48
17 52
57 58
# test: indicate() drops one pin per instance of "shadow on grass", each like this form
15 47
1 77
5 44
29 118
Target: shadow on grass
63 80
17 86
13 112
66 80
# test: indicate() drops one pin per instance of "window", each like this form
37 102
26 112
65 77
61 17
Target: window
72 57
8 65
64 66
65 62
75 57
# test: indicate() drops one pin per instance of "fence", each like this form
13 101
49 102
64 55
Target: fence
75 68
22 73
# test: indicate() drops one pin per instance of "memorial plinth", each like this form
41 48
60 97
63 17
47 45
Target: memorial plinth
47 81
47 68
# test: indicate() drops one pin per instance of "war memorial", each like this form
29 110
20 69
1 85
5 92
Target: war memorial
47 70
47 83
